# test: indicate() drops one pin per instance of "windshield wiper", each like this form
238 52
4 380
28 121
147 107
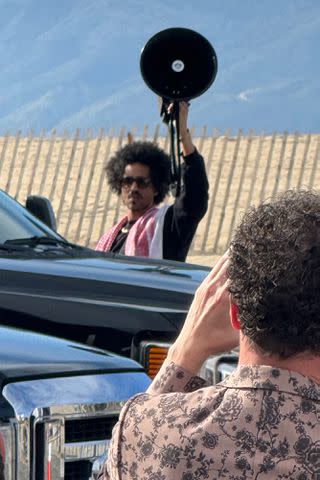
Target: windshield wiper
11 248
39 240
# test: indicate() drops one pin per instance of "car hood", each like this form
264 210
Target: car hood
25 356
161 274
164 284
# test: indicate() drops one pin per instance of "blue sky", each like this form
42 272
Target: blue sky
75 63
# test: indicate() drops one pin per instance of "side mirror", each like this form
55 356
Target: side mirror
41 208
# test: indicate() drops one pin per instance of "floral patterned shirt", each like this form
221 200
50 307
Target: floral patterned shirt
260 423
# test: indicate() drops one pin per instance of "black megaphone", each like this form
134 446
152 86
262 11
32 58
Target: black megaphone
178 64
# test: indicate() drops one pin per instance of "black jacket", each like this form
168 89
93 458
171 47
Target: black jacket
183 216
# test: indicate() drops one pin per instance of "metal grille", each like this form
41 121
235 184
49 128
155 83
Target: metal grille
89 429
40 448
80 470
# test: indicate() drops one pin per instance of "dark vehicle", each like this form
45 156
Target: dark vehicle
59 401
132 306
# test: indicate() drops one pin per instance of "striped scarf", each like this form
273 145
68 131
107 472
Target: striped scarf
145 238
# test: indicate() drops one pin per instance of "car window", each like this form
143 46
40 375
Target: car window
17 222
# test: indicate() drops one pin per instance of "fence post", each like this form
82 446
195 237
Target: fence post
304 159
88 187
213 142
227 191
215 188
109 194
280 163
208 163
23 164
35 163
117 209
77 185
241 182
266 172
47 162
203 136
67 173
257 161
156 133
55 176
315 163
166 141
13 161
98 191
145 133
292 159
3 151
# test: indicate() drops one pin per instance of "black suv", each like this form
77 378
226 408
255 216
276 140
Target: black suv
59 399
132 306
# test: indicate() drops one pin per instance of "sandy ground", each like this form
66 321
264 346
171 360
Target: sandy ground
242 170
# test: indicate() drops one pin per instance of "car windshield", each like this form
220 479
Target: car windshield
16 222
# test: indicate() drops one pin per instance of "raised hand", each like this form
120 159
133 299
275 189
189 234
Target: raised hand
207 329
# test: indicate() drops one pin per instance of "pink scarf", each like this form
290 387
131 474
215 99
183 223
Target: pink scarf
144 238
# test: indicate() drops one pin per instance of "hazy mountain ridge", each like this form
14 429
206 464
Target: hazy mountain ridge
76 64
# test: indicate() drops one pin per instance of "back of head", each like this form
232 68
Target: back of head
275 274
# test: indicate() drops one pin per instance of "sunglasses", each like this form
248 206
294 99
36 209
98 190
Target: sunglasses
142 182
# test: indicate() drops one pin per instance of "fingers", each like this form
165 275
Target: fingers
221 276
224 291
170 107
219 269
216 279
183 111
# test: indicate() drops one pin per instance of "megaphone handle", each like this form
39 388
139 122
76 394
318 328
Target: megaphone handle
175 151
178 150
172 149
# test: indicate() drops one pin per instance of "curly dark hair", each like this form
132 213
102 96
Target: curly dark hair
275 274
148 154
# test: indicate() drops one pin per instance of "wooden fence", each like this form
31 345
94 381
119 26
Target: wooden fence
243 169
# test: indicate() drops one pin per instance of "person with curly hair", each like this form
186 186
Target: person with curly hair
140 173
275 275
263 420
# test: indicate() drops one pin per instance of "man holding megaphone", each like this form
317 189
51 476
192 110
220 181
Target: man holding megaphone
140 173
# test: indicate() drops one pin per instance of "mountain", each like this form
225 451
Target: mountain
75 63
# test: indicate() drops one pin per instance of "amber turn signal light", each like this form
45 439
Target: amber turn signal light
152 356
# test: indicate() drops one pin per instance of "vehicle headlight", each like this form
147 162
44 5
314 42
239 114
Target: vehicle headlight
7 452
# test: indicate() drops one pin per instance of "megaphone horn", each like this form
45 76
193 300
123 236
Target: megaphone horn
178 64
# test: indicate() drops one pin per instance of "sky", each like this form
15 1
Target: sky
68 64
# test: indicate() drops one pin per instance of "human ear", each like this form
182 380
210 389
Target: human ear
234 316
